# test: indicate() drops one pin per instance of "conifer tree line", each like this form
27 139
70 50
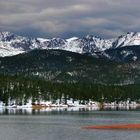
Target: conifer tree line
22 88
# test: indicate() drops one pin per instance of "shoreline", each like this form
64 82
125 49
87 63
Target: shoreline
67 106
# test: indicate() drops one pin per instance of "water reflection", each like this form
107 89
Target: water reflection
30 111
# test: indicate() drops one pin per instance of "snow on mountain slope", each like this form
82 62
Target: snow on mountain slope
11 44
134 40
130 39
74 44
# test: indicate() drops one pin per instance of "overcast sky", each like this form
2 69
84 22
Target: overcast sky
67 18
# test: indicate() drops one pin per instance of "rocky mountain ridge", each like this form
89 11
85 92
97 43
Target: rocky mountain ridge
12 44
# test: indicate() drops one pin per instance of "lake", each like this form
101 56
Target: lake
65 124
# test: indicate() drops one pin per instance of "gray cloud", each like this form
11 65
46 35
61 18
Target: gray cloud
66 18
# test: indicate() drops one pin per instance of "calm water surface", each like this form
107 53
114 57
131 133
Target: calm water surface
65 124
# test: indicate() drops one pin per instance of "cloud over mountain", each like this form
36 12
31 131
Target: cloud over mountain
65 18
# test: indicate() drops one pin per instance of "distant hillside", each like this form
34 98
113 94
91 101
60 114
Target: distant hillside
61 66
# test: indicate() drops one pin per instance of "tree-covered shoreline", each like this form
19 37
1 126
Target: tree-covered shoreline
20 88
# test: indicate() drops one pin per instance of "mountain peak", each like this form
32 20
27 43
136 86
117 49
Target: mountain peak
72 39
6 36
11 44
6 33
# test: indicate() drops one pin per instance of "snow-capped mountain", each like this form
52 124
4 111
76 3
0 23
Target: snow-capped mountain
11 44
130 39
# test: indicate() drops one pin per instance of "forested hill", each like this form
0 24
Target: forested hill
20 89
64 66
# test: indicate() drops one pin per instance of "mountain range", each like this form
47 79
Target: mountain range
88 59
123 48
